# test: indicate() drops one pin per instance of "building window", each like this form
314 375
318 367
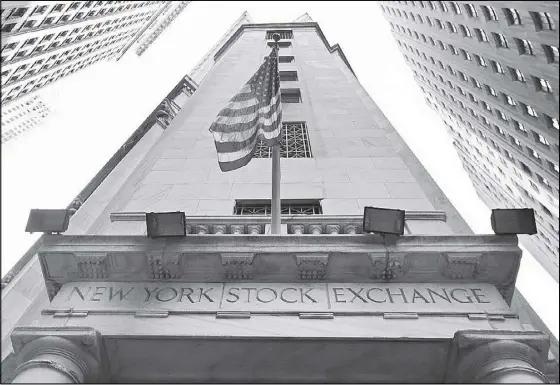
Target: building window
288 76
517 75
489 13
452 27
491 91
543 21
525 168
501 41
551 53
512 16
541 139
529 110
465 30
286 208
295 143
466 55
497 67
480 60
291 95
534 154
476 83
485 105
481 35
509 100
551 122
283 34
554 167
501 115
542 85
525 47
471 10
286 59
456 8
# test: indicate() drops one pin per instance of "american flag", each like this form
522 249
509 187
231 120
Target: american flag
254 113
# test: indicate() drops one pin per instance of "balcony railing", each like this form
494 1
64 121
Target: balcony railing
293 224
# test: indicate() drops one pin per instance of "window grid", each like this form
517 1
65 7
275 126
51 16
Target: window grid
286 208
294 143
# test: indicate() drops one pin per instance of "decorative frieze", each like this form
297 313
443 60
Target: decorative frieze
164 266
238 265
315 229
237 229
312 266
202 229
297 229
332 229
220 229
350 229
461 265
92 265
387 266
254 229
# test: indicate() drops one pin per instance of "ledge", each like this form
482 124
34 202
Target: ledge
236 35
239 224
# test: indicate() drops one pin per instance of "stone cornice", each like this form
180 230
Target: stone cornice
292 25
205 257
328 222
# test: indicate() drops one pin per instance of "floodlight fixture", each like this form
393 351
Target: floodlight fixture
383 221
513 221
170 224
47 221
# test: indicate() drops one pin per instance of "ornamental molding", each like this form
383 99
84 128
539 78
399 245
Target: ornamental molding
473 351
312 266
81 345
461 265
490 259
238 265
91 264
164 266
387 266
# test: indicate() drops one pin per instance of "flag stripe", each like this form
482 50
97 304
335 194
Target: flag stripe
267 131
254 113
231 146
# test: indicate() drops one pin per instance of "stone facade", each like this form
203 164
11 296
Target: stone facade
325 302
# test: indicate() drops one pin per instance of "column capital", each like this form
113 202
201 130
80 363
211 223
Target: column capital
74 352
482 356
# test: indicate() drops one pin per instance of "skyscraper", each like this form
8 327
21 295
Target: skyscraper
43 42
22 115
323 302
491 71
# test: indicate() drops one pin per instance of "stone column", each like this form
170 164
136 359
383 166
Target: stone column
500 357
57 358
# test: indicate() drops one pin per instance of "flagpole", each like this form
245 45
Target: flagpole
276 175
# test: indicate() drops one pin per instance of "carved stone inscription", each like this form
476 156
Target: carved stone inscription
279 297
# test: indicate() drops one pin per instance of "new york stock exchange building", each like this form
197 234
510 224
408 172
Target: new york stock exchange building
324 301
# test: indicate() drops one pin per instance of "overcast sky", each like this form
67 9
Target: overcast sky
97 109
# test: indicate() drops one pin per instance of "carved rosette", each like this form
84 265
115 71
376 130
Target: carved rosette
219 229
201 229
312 266
386 267
92 265
164 266
254 229
238 265
333 229
461 266
315 229
237 229
298 229
350 229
